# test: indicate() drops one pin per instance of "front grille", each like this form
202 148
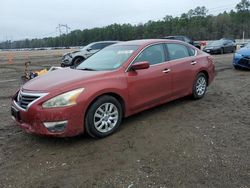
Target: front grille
24 100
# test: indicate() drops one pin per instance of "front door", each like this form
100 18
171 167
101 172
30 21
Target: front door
150 86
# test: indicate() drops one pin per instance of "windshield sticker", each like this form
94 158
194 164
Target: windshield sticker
125 52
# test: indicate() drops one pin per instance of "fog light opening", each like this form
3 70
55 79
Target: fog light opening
58 126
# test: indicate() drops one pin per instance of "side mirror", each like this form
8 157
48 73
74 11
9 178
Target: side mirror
89 49
140 65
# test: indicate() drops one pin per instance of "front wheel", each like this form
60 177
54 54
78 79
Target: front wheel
77 61
200 86
103 117
236 67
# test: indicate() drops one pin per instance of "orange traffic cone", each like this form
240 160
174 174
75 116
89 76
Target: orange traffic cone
10 59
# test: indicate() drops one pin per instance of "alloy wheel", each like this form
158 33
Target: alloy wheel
106 117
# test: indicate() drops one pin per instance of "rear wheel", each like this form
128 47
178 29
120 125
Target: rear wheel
200 86
103 117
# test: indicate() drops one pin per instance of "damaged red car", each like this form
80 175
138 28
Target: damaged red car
118 81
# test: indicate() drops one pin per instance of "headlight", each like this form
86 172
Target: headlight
65 99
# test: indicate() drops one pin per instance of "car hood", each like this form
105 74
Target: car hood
244 51
66 78
71 52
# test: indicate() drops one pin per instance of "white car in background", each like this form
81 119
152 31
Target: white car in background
76 57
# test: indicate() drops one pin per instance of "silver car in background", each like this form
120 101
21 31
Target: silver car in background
76 57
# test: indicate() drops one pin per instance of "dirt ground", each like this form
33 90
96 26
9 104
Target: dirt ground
184 143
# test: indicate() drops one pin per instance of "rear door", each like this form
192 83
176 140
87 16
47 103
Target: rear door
150 86
183 63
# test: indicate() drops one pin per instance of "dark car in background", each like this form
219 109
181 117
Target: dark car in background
242 58
76 57
184 39
220 46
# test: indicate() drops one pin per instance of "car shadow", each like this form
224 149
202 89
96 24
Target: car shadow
154 111
126 123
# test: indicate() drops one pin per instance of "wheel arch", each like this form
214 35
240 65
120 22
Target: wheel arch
78 56
206 74
113 94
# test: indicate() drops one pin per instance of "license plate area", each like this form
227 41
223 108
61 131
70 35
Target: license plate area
15 113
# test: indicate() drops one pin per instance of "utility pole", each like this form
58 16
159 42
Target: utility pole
243 36
59 29
66 28
60 26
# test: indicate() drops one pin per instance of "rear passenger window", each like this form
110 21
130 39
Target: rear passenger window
177 51
153 54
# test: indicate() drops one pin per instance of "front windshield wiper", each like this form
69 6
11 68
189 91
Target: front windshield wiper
87 69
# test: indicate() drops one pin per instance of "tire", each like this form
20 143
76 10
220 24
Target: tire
103 117
236 67
234 50
77 61
200 86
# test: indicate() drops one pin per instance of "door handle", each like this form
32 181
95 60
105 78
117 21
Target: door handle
166 70
193 63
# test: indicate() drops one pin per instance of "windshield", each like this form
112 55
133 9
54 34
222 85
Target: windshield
109 58
86 47
216 43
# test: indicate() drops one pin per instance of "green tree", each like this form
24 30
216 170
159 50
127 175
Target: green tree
244 5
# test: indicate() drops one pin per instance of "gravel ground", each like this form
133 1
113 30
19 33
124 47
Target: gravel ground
184 143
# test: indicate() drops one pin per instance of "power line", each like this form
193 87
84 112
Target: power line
65 26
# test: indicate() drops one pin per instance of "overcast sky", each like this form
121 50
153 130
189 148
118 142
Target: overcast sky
20 19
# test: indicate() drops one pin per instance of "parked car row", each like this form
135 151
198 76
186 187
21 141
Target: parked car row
221 46
116 82
74 58
184 39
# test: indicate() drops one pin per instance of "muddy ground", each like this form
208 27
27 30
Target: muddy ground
184 143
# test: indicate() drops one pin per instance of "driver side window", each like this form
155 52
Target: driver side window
153 54
96 46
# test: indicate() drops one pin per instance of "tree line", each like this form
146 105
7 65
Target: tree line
196 23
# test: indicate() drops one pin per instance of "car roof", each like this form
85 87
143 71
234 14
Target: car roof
144 42
107 41
174 36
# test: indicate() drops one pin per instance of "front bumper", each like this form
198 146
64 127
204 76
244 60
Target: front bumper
34 119
242 62
66 60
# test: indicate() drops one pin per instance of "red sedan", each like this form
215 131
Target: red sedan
116 82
